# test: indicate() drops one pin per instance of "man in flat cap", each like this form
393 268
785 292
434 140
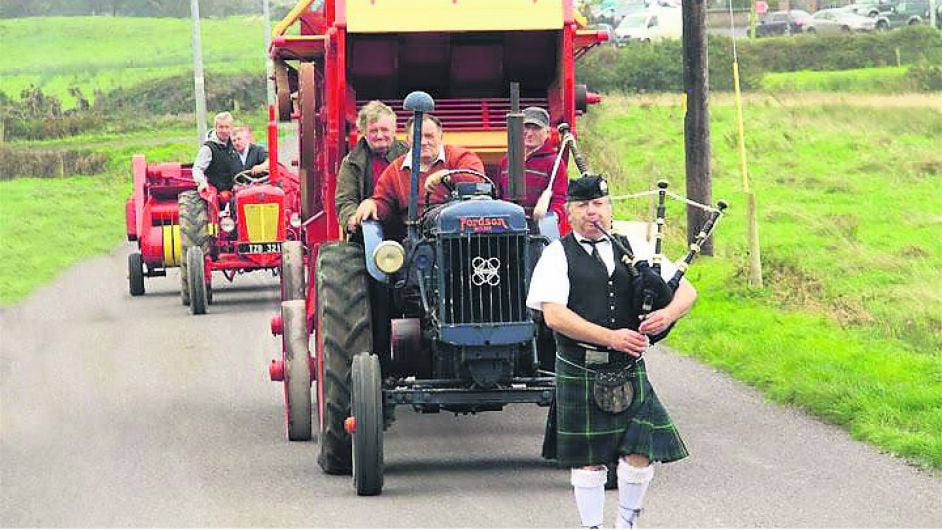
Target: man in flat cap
584 291
538 167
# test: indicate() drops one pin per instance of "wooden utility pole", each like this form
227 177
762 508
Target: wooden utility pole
697 119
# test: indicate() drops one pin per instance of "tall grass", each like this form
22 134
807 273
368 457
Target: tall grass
104 53
849 324
888 80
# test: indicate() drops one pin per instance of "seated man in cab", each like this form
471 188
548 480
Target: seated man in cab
252 156
538 167
363 165
390 200
217 161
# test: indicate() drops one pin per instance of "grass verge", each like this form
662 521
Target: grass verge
848 323
889 80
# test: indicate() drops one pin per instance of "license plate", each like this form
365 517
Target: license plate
259 248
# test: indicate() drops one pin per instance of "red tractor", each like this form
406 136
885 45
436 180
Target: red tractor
152 219
174 225
328 62
235 232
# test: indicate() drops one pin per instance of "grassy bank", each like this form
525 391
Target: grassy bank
848 325
47 225
108 52
888 80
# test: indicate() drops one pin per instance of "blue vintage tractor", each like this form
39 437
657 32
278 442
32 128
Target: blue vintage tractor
437 321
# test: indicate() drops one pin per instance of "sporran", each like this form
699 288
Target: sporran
612 389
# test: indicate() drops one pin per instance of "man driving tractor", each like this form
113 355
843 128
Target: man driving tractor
390 200
217 160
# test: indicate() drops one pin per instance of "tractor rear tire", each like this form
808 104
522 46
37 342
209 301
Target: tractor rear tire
196 280
194 232
297 371
135 274
292 271
343 329
367 408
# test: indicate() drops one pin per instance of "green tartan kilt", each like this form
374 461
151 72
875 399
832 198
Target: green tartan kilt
578 433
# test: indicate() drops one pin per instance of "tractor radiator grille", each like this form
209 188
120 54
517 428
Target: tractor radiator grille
484 279
261 222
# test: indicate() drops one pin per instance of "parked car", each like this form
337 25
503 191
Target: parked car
650 25
783 23
871 8
908 13
831 21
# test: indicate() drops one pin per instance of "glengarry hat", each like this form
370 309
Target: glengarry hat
587 188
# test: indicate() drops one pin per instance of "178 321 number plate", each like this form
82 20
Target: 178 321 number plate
259 248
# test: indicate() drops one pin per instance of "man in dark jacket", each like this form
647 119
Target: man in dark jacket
253 156
363 165
217 161
538 166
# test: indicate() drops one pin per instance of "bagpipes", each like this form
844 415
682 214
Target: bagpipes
649 290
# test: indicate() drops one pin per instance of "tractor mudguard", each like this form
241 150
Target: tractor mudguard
372 236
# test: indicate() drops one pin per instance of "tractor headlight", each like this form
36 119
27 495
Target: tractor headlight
227 224
389 257
295 220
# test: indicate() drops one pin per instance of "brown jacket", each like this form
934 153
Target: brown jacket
355 181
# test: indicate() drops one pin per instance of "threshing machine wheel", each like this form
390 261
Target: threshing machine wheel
135 274
283 89
367 408
194 232
343 329
297 371
196 278
307 103
292 271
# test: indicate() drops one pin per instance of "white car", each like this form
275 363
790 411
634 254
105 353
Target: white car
650 25
839 20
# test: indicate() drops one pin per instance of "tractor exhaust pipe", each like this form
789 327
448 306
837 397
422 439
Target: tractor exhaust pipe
515 147
419 103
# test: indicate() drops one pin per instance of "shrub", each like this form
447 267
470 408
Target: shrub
925 77
19 162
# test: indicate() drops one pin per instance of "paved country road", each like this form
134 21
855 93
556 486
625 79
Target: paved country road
130 412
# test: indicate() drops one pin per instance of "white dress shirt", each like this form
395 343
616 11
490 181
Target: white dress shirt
550 280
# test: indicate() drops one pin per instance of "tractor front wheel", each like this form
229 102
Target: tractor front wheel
367 408
136 274
196 280
292 270
343 329
297 371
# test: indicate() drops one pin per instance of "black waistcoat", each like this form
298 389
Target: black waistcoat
224 165
593 294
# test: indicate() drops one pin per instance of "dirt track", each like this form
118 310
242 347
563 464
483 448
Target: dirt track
130 412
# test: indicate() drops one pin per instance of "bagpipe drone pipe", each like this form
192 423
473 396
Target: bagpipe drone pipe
650 291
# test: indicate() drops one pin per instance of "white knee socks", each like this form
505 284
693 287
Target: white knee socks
632 484
589 487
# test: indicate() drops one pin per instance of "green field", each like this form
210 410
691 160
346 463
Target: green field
889 80
849 323
108 52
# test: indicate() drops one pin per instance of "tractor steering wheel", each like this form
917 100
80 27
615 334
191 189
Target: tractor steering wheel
450 186
245 178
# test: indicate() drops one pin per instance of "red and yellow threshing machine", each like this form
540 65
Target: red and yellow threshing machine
331 59
152 219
